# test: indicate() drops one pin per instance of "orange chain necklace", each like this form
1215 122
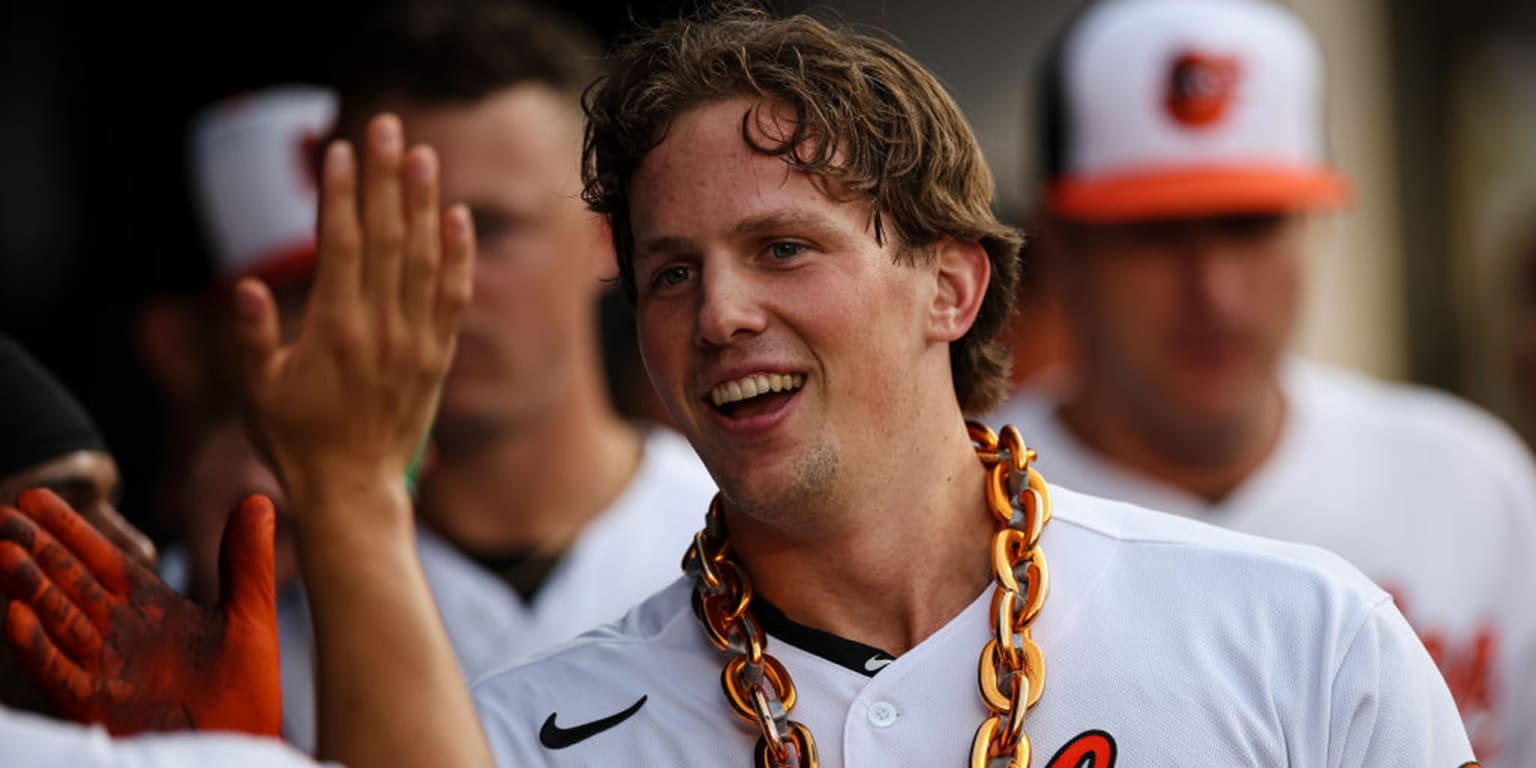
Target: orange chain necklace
1011 671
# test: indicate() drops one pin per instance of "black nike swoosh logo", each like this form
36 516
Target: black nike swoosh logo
555 737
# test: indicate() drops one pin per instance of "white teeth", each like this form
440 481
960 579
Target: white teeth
753 385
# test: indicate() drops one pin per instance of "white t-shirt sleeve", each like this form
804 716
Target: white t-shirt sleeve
27 741
1390 706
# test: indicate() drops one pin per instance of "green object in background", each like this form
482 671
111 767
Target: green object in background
413 470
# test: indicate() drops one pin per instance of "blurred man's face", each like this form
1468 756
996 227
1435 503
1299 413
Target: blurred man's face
1185 320
89 482
514 159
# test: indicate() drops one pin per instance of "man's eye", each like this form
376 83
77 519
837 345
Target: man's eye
785 251
671 277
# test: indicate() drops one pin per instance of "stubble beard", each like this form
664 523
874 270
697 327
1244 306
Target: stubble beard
793 504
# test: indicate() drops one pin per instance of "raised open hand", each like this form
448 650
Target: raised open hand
341 411
346 405
110 643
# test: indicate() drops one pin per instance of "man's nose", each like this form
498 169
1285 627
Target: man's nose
1216 275
729 306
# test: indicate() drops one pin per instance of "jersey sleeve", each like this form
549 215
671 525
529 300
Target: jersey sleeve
1389 704
34 742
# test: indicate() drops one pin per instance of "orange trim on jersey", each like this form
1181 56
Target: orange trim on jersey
1191 193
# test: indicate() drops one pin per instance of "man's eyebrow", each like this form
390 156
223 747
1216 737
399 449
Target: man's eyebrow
779 221
782 219
663 244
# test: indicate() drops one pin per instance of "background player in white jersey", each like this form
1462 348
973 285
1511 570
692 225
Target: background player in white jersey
543 513
1184 148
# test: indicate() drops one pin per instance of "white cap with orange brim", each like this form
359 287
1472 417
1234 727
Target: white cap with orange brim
1187 108
253 179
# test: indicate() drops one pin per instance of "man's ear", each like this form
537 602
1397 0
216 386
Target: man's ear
963 272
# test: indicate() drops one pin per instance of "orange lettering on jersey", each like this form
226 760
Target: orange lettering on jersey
1470 669
1200 87
1090 749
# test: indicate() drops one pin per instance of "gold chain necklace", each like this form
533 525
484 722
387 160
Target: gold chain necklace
1011 671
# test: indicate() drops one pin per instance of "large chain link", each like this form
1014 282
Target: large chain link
757 685
1012 670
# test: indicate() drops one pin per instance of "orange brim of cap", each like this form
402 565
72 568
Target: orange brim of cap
1191 193
287 267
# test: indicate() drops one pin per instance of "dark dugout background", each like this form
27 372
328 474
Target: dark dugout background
94 208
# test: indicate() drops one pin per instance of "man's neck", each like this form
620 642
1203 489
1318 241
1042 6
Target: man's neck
896 560
1210 465
535 488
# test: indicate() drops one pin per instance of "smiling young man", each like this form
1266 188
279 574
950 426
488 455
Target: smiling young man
871 587
804 207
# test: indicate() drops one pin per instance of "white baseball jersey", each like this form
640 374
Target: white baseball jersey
1166 642
624 555
28 741
1431 498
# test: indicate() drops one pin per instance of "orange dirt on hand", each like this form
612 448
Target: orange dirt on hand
111 643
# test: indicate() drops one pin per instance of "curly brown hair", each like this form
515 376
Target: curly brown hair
870 122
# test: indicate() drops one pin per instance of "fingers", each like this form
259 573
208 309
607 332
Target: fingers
456 279
422 248
257 336
98 554
63 680
57 613
338 274
63 570
61 566
245 562
384 215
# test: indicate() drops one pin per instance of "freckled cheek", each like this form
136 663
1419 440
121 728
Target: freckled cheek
863 354
665 346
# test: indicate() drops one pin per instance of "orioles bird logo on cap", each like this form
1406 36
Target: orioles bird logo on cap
1200 87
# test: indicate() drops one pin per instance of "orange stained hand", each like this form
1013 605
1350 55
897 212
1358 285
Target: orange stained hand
111 643
347 404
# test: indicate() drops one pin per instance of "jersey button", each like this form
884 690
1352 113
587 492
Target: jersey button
882 714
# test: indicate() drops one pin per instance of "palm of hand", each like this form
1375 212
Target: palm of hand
110 643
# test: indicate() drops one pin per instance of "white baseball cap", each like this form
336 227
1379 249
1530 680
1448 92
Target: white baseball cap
253 179
1186 108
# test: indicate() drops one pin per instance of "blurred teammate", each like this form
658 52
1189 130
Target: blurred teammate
543 513
1184 148
51 442
251 182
